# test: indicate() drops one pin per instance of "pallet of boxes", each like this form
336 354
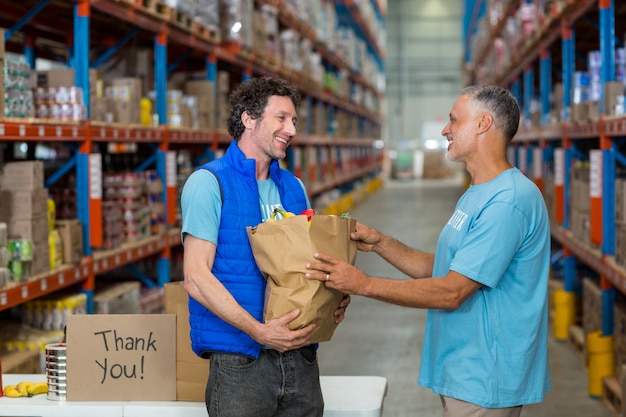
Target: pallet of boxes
24 209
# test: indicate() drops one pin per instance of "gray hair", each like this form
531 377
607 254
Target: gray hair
501 103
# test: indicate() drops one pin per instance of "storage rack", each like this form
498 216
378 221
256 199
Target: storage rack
152 21
551 54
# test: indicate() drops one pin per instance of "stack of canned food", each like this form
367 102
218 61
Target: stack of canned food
20 254
60 104
18 96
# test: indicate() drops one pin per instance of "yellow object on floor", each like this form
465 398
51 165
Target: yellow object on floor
564 313
600 349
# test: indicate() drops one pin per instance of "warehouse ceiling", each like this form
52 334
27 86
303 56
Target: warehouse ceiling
423 65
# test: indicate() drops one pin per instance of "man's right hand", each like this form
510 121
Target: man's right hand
366 238
277 335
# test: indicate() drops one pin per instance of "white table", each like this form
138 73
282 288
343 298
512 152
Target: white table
344 396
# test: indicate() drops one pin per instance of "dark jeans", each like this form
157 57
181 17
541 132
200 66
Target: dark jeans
276 384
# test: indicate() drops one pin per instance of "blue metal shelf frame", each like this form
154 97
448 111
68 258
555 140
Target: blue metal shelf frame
474 10
163 263
81 73
529 87
211 75
160 86
29 50
607 46
81 51
160 75
545 84
516 89
567 70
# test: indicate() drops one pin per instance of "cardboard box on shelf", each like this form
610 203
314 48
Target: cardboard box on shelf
223 82
131 84
5 205
579 112
192 372
123 101
71 232
613 94
121 357
117 298
26 204
22 175
35 228
64 77
41 257
620 200
200 88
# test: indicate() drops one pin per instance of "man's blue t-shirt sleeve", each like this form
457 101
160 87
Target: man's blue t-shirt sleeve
201 205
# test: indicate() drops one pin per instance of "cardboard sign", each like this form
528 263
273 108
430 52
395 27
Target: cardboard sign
121 357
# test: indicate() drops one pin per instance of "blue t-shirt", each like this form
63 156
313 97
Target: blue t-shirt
493 351
201 204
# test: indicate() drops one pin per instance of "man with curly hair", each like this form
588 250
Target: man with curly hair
258 369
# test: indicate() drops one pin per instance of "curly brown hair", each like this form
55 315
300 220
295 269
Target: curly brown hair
252 97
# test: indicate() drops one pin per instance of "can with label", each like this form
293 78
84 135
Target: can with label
26 250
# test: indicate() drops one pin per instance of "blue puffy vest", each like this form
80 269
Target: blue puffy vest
234 263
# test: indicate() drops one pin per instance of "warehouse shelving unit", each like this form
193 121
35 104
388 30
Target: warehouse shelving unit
551 54
105 26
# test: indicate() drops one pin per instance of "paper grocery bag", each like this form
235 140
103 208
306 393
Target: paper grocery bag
282 248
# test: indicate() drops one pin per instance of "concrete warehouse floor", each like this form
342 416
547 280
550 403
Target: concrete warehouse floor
386 340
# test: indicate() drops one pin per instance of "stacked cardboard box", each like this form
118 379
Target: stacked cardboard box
580 204
71 232
124 100
223 89
620 221
117 298
613 98
591 306
22 183
435 164
204 91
